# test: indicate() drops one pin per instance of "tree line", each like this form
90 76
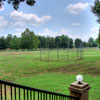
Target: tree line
30 41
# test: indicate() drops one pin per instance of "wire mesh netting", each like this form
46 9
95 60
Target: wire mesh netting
59 52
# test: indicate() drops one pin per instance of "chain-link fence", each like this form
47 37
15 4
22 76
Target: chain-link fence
60 52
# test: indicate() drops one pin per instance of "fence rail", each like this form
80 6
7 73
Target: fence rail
11 91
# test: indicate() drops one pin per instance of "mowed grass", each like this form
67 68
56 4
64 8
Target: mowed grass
24 67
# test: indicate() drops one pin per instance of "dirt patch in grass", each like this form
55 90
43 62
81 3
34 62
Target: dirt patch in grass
28 73
43 72
16 53
92 68
59 91
7 74
67 69
93 71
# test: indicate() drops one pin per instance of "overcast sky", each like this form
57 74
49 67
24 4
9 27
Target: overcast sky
51 18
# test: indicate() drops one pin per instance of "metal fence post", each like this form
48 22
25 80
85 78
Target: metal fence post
82 53
68 51
40 51
77 53
57 53
48 51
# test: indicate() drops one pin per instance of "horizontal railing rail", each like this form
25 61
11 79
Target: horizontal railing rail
12 91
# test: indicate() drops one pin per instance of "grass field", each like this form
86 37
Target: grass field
22 67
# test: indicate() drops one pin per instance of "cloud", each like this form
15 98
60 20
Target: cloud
47 32
24 19
18 31
76 8
3 23
93 32
76 24
64 31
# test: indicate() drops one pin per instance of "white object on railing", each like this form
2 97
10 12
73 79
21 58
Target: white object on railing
79 79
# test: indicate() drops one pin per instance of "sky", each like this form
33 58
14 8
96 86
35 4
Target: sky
51 18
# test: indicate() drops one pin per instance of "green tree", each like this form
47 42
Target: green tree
95 43
2 43
58 41
78 43
70 43
16 3
36 42
90 42
24 39
43 41
29 40
64 41
15 43
85 44
8 40
98 41
96 9
51 42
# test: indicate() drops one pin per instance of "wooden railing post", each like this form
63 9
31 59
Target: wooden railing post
80 90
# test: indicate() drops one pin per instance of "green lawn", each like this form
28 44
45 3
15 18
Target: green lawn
24 67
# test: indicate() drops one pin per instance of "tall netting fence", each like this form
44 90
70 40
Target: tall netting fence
60 51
